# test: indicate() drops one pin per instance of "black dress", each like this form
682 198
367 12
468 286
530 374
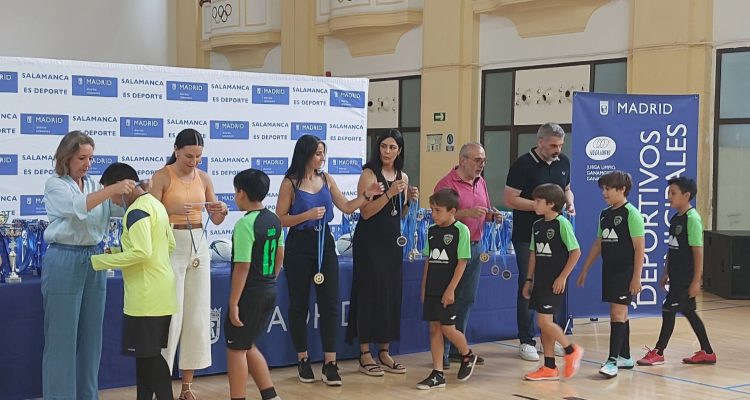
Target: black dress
375 303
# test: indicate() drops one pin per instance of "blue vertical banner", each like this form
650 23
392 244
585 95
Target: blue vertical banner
652 137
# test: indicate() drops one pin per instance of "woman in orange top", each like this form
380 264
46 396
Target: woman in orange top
184 190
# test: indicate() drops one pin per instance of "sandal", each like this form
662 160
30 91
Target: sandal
187 394
395 368
369 369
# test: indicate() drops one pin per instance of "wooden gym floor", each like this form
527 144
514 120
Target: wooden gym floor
727 323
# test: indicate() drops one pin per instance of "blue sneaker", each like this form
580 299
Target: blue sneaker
625 363
609 368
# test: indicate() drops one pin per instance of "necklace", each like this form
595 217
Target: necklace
393 199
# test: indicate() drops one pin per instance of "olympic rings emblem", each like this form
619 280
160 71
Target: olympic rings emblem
601 143
221 13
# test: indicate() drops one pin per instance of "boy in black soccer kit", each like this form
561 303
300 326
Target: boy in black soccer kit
683 272
447 251
554 253
621 243
257 255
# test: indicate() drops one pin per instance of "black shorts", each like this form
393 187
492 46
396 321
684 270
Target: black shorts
145 336
544 301
433 310
255 310
616 284
678 300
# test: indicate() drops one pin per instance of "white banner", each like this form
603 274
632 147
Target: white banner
134 112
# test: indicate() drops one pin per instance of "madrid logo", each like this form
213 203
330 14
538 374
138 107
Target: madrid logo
215 324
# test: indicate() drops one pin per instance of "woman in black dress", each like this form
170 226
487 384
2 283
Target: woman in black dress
375 304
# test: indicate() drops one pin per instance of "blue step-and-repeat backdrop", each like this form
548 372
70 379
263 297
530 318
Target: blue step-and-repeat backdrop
134 112
654 138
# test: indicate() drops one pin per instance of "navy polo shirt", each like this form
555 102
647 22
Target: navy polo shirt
528 172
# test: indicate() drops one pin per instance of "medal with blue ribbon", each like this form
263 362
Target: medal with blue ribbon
319 278
401 241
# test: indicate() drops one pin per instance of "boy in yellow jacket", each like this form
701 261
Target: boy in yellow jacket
150 297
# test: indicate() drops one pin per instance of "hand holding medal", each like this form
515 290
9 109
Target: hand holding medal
193 207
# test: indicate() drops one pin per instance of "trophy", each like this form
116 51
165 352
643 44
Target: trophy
415 254
112 240
12 232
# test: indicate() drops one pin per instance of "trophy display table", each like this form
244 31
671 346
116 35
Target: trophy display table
493 317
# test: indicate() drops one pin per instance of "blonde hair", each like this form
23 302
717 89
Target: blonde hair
67 149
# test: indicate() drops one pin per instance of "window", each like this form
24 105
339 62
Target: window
731 140
409 117
504 141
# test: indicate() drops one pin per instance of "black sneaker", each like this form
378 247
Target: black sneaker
304 370
467 367
455 358
434 381
331 375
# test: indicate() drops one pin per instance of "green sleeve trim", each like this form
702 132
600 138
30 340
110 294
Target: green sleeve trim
244 238
636 226
694 228
599 225
464 241
426 250
532 242
567 235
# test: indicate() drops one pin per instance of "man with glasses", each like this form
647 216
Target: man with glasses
474 209
544 163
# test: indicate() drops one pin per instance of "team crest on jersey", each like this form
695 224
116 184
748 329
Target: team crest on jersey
550 234
447 239
618 220
678 229
215 324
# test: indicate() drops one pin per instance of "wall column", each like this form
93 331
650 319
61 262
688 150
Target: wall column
672 54
189 53
450 83
301 47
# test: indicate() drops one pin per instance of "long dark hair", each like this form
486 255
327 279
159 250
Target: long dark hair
186 137
375 163
304 150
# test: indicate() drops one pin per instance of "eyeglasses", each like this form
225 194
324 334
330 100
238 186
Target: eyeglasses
478 160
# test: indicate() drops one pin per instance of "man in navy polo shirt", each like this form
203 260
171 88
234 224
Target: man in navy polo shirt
544 163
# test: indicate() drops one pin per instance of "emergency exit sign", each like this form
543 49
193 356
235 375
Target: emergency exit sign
438 116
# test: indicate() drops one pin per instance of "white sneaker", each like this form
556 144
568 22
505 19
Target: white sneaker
559 350
528 352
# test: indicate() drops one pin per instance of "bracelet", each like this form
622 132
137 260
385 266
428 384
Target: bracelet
529 280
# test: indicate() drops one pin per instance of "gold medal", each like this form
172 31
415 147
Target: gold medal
318 278
484 257
196 262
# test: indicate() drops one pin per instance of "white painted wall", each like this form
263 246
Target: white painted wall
607 35
730 23
272 63
406 60
132 31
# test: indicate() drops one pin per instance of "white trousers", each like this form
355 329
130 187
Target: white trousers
191 324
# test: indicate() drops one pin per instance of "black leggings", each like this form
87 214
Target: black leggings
667 327
300 265
152 377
